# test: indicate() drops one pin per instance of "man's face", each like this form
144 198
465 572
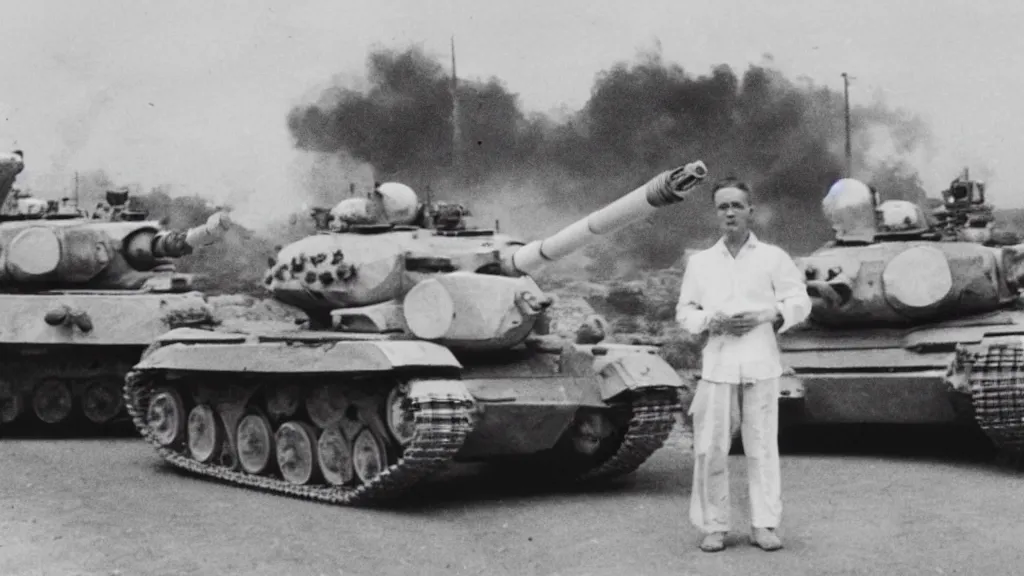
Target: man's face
733 208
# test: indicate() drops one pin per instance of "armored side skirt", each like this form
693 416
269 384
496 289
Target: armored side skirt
913 397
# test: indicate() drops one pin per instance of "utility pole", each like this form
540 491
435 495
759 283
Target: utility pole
456 133
846 99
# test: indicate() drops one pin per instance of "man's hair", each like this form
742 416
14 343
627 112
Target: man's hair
730 182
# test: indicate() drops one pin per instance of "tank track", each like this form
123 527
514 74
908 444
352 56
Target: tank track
442 423
651 423
997 391
442 426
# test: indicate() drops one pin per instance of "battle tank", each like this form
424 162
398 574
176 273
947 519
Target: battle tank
426 346
914 320
82 299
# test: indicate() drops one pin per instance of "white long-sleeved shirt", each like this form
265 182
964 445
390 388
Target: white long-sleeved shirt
761 277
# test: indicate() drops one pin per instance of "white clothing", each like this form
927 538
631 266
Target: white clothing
760 277
717 408
740 375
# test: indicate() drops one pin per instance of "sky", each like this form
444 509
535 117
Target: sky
195 94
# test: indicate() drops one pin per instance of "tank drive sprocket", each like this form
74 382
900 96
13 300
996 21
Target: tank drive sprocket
651 424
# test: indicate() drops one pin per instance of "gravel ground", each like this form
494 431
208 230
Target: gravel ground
928 504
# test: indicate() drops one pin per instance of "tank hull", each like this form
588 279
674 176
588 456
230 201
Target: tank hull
569 414
939 373
65 354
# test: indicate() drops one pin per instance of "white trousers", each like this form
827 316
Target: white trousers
717 409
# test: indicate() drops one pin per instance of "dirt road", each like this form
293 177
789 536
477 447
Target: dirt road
109 506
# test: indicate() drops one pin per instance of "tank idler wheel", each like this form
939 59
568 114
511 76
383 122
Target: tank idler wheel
369 457
11 406
335 456
255 443
283 401
166 417
52 401
297 452
401 421
205 435
101 401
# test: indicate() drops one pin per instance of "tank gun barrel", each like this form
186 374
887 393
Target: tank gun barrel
176 243
10 166
213 230
145 249
669 187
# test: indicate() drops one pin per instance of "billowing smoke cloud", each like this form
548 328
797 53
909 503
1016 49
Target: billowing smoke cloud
535 173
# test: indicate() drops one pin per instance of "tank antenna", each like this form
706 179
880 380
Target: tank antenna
846 108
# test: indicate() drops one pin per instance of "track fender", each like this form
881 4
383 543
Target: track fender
231 354
435 390
636 371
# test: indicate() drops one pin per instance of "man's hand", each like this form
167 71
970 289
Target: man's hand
740 324
719 324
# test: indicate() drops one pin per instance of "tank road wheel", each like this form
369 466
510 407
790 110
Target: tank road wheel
205 435
335 456
166 417
101 401
283 401
52 401
255 443
296 452
368 455
401 422
326 405
11 406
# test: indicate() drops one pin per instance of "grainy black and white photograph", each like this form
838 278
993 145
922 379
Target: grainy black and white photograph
338 288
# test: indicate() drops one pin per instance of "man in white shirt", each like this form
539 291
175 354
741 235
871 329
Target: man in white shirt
741 291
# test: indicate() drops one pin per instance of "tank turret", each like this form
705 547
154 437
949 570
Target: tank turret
901 270
95 254
65 248
386 272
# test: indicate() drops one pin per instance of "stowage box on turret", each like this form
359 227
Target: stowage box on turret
82 298
426 345
913 321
